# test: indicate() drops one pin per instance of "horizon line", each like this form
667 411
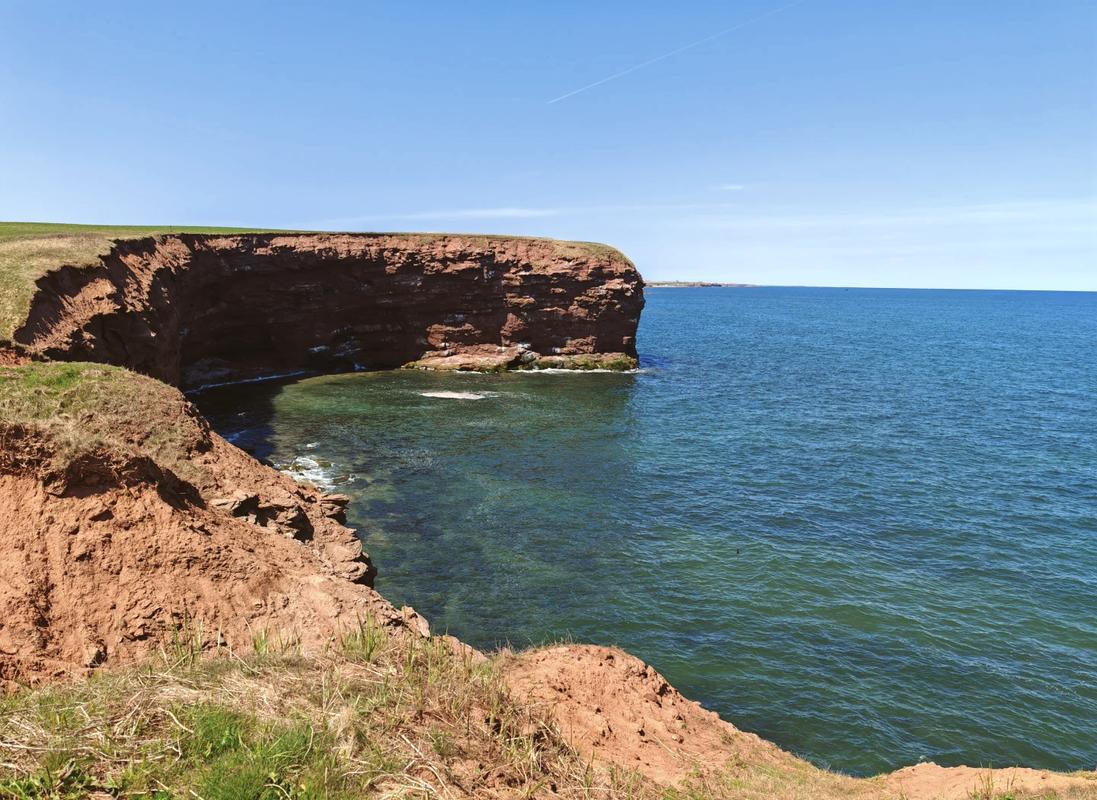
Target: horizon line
737 285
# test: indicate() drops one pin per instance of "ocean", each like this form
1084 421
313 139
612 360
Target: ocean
860 523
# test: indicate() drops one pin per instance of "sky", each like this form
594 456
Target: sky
909 143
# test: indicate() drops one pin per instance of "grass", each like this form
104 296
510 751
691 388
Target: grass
391 716
11 230
80 407
380 715
28 250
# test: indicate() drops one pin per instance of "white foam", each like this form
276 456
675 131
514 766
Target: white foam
307 469
566 371
261 379
454 395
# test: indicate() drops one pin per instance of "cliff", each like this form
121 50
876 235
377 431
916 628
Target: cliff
135 535
126 519
194 309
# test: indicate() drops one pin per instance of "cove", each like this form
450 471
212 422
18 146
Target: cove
859 523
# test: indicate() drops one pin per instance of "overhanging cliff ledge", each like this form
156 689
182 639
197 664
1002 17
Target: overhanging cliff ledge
194 309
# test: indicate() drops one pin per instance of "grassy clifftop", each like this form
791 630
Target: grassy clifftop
378 716
80 407
28 250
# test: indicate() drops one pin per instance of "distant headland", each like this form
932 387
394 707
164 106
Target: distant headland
697 284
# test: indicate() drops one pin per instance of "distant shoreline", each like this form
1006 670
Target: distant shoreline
696 284
714 284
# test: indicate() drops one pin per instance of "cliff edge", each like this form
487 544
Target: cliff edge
126 520
193 309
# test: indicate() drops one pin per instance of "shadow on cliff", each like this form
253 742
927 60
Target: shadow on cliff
243 414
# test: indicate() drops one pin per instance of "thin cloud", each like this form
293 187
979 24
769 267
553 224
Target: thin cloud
1067 213
512 212
733 216
507 212
1000 245
729 187
676 51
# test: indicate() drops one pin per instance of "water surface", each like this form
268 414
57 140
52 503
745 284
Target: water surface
861 523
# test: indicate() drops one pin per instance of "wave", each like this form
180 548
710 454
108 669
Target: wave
303 468
258 379
454 395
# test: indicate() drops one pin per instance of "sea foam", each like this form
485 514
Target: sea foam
303 468
454 395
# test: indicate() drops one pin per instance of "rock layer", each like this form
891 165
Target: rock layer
195 309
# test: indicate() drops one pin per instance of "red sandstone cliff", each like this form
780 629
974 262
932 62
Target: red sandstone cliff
193 309
142 525
126 517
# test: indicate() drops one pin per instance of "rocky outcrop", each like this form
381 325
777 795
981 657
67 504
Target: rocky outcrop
195 309
164 532
616 710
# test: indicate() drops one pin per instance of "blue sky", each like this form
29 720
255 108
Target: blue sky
822 142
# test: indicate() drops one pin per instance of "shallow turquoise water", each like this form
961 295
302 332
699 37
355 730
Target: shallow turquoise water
861 523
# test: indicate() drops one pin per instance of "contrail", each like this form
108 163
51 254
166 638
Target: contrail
676 51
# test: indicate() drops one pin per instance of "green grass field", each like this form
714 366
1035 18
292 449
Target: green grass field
10 230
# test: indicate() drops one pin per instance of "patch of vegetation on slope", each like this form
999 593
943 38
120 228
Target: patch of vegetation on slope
81 407
381 715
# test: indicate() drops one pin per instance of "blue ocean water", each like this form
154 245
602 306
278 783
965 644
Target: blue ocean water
861 523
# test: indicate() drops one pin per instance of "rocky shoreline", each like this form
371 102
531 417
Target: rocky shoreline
129 520
186 310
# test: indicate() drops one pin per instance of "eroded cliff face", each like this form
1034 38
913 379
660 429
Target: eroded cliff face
196 309
126 517
151 527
